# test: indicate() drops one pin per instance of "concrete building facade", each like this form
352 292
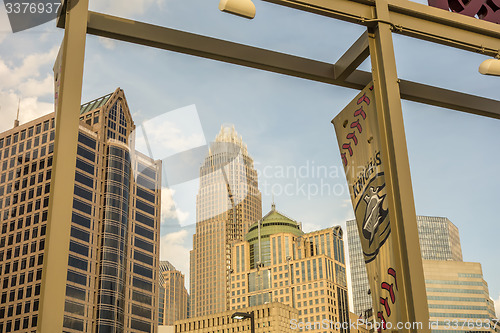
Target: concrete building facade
228 201
458 297
113 254
269 318
278 262
173 295
457 294
439 240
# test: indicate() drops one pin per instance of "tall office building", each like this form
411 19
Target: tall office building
456 290
173 295
458 297
278 262
113 251
228 201
439 240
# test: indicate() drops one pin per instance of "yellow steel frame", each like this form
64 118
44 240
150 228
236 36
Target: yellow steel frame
381 17
55 263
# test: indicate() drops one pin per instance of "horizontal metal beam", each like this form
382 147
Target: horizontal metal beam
352 58
211 48
253 57
412 19
430 95
446 28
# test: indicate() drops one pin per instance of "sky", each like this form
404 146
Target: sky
181 101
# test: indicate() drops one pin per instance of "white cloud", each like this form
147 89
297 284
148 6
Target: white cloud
169 209
30 108
174 132
13 77
497 306
127 8
107 43
172 249
309 227
29 81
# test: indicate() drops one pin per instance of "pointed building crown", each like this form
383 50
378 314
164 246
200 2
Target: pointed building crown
228 134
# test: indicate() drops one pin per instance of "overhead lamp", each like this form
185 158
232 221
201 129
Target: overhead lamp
243 316
490 67
243 8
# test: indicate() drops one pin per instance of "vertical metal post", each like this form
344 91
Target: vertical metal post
397 173
252 322
55 265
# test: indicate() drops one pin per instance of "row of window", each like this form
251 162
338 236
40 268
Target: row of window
20 265
17 324
18 237
16 253
9 312
28 156
37 129
30 291
19 148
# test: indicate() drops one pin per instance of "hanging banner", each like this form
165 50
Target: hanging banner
359 143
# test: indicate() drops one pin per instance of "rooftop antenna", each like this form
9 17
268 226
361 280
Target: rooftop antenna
16 122
273 205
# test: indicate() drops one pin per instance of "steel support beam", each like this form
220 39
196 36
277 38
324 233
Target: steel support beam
352 58
406 247
55 263
244 55
411 19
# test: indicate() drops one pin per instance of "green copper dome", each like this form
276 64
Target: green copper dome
274 222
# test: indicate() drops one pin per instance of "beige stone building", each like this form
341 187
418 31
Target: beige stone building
173 295
278 262
113 254
269 318
358 324
458 297
439 240
456 291
228 201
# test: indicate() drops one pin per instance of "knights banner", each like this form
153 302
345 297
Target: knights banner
359 143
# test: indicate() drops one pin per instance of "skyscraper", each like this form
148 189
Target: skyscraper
228 201
173 295
439 240
457 293
113 252
278 262
456 290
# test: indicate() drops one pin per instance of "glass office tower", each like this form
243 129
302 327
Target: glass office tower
228 201
113 251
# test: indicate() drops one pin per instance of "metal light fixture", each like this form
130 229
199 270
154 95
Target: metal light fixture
243 8
490 67
245 315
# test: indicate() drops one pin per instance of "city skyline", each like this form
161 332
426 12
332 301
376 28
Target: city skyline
297 127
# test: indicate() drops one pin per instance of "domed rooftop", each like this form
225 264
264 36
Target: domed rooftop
274 222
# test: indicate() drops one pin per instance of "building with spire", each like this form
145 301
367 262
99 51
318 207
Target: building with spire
173 295
113 252
228 201
278 262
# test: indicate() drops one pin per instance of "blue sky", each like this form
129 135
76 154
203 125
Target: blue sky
285 121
